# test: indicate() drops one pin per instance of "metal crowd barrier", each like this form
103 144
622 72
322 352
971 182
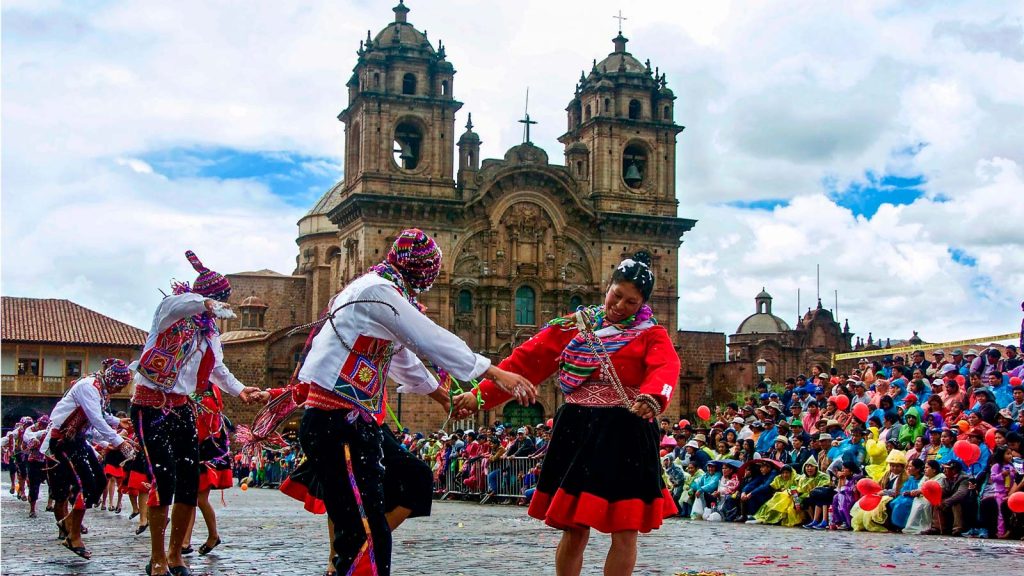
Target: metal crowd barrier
476 478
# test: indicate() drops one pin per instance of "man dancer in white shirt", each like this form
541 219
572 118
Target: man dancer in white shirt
375 329
76 480
183 351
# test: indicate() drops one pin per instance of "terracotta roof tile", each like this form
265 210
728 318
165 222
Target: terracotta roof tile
52 320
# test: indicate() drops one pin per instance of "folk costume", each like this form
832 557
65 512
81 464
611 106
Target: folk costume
183 353
602 468
77 476
35 460
214 446
374 329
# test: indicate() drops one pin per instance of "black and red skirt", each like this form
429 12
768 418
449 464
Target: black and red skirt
602 471
215 473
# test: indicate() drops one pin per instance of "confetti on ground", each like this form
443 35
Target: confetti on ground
701 573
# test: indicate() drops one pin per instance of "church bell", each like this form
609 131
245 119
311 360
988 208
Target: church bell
633 177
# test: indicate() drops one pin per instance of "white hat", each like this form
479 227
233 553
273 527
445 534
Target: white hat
692 444
737 420
947 368
521 430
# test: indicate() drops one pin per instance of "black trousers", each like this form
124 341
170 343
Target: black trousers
408 481
77 472
346 458
170 442
36 475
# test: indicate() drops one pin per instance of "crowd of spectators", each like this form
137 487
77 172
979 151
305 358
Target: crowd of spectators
903 445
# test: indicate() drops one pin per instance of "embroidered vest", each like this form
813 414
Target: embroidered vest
77 421
362 379
173 347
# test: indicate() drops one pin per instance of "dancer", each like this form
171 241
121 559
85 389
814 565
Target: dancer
113 462
182 353
617 368
7 454
35 460
76 479
21 455
215 473
376 330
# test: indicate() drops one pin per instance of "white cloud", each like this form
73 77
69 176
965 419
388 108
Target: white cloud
777 98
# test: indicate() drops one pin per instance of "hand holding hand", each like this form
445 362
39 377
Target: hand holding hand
260 397
247 394
465 404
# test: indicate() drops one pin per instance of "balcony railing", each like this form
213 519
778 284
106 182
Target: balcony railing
29 385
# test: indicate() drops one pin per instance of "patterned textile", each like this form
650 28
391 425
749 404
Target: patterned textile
78 421
364 373
417 257
116 373
579 360
208 283
160 364
599 394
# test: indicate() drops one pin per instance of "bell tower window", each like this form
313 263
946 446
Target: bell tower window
634 165
587 114
408 141
668 113
409 84
634 109
444 87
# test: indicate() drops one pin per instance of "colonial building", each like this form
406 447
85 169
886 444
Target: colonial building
786 351
48 344
525 239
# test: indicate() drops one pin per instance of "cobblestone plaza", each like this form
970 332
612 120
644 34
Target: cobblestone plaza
265 532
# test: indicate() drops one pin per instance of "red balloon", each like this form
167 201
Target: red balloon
967 452
842 402
1016 502
961 380
932 492
870 502
684 423
1015 381
550 422
664 453
868 486
704 413
860 412
990 438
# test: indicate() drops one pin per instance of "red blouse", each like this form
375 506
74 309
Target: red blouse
648 365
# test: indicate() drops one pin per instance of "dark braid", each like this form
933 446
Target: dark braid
636 271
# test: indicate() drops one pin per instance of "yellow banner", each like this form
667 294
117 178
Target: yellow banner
925 346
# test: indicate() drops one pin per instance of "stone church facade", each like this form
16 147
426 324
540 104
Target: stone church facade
524 239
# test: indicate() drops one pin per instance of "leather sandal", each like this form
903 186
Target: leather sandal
80 550
206 549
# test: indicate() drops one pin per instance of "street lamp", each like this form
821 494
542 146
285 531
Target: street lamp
762 366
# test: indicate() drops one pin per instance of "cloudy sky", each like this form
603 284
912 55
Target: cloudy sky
882 140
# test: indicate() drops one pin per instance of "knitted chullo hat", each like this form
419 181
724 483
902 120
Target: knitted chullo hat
208 283
417 257
116 373
25 421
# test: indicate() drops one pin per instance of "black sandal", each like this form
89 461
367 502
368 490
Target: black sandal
186 550
141 529
133 515
80 550
206 549
180 571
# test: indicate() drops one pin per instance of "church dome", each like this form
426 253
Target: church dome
401 36
763 321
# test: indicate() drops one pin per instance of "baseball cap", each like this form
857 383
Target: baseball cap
939 352
947 368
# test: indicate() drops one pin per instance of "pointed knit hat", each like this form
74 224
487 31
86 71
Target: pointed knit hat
417 257
208 283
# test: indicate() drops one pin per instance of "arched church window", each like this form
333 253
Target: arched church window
634 109
354 150
409 83
376 79
607 105
407 145
574 303
634 165
525 300
465 305
668 113
587 113
444 87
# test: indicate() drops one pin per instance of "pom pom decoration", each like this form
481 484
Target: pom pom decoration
932 492
860 412
1016 502
842 402
966 452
